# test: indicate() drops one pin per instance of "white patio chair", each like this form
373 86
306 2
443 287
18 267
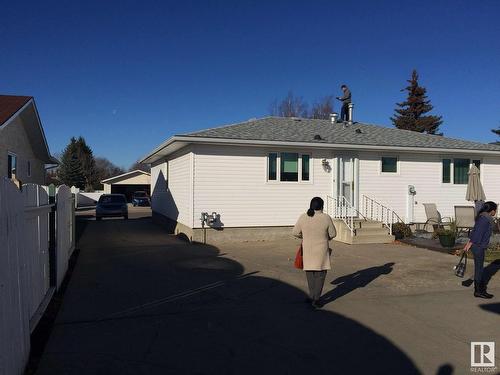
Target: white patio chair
464 217
434 218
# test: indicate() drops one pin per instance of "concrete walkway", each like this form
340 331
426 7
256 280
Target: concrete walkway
143 302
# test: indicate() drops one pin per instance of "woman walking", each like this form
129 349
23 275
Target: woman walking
316 229
478 243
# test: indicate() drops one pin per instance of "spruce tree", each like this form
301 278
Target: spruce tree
497 132
86 157
70 171
411 113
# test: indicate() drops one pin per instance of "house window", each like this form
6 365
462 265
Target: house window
389 165
29 168
289 166
272 166
11 166
305 167
461 171
446 171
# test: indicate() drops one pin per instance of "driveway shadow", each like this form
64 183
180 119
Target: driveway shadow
143 302
359 279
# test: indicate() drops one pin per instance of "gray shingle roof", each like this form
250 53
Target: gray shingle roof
304 130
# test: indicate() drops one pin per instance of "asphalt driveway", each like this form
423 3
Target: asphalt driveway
141 301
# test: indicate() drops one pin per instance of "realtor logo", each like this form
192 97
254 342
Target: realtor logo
482 354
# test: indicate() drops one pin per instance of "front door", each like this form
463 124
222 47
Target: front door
347 178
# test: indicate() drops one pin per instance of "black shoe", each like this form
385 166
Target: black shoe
308 300
479 292
482 287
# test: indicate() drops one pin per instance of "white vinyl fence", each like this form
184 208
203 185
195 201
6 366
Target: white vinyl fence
36 241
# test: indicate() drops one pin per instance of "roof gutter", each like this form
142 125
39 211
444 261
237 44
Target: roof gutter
224 141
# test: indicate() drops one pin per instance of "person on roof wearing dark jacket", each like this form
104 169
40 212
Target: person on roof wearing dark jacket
479 240
345 99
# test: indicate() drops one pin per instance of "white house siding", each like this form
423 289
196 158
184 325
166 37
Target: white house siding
13 139
490 171
232 181
176 201
425 173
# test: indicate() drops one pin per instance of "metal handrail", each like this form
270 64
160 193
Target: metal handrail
378 212
341 208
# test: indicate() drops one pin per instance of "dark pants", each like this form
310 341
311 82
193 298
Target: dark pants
315 280
344 112
478 263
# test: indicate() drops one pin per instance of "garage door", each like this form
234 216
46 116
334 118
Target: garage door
128 190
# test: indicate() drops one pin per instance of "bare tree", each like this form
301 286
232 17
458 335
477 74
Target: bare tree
322 108
290 106
140 166
105 169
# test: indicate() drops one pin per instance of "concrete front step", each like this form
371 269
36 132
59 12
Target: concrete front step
361 232
365 232
372 239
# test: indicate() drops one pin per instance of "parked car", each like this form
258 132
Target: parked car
111 205
140 198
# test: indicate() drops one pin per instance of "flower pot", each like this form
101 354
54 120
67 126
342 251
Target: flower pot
447 240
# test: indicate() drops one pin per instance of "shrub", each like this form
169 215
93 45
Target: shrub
401 230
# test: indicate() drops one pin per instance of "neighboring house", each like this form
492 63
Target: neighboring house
128 183
24 152
260 175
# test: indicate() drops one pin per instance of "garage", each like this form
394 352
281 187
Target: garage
128 183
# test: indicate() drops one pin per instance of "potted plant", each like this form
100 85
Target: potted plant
447 234
401 230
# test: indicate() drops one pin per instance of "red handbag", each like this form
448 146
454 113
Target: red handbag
299 260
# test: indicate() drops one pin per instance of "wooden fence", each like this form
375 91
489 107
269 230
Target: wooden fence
36 241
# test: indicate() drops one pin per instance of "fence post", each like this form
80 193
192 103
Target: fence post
52 237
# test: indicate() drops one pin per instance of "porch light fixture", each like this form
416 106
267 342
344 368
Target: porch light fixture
326 165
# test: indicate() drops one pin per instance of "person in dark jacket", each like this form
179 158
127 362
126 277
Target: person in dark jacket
479 240
345 99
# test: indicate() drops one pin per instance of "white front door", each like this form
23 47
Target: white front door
347 182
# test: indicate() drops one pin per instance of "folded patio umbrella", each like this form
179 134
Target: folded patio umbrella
475 190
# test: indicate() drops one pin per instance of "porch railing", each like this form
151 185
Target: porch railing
341 208
373 210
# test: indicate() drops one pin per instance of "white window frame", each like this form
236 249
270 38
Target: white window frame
452 169
398 167
278 168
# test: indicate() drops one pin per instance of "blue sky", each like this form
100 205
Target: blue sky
127 75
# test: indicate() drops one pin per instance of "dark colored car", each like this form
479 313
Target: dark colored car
140 198
110 205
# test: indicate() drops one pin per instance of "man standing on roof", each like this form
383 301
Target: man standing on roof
346 100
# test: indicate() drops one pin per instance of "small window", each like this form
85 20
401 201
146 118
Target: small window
305 167
461 171
289 166
477 163
29 168
11 166
272 161
389 165
446 171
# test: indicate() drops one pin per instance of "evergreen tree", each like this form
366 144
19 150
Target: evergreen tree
70 171
497 132
411 114
86 157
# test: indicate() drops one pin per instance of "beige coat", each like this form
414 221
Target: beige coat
315 232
